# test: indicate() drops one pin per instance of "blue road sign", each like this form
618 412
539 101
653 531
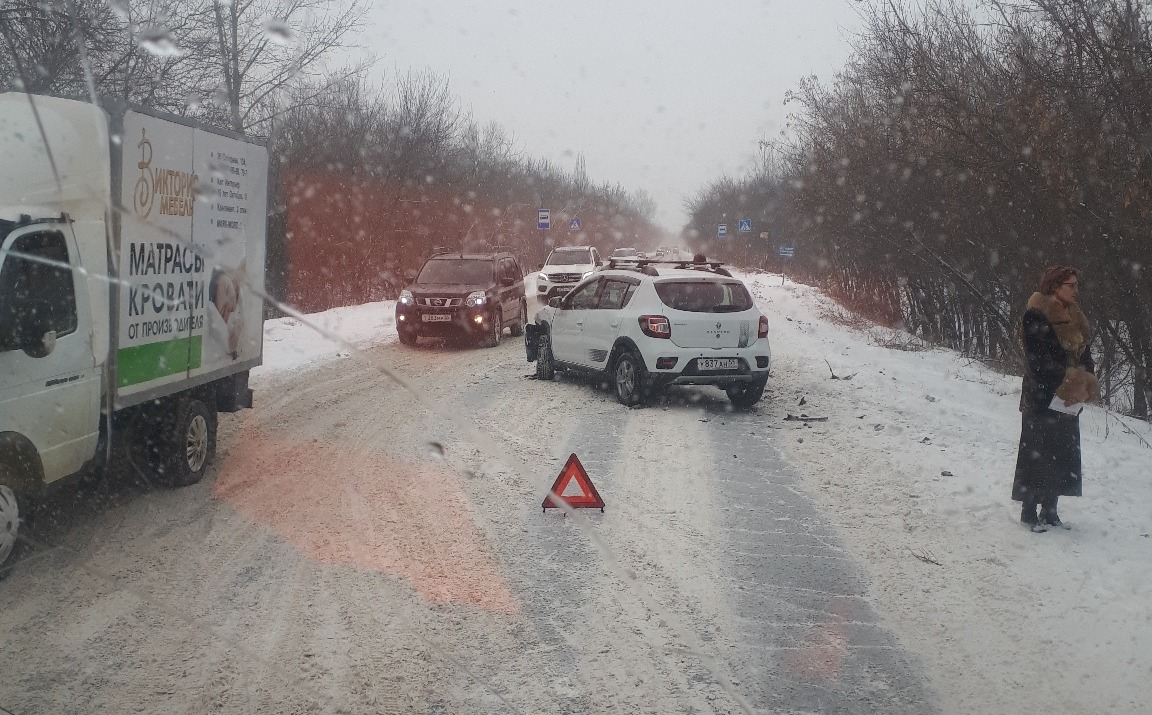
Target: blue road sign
722 230
574 224
745 226
544 219
786 251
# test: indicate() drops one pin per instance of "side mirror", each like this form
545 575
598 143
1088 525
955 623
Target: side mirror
42 347
507 281
35 340
34 347
555 302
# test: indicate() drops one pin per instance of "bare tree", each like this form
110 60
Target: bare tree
262 46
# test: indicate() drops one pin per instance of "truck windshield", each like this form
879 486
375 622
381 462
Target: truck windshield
462 271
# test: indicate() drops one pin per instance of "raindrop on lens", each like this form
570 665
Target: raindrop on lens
437 449
120 7
278 32
158 41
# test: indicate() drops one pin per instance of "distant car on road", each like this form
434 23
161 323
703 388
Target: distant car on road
565 267
648 325
475 295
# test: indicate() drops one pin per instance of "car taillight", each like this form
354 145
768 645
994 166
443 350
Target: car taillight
655 326
763 327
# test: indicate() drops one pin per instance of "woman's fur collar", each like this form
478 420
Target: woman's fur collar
1067 320
1074 334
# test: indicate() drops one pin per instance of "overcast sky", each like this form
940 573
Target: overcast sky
662 96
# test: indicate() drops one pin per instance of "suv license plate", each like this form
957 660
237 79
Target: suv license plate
436 318
716 364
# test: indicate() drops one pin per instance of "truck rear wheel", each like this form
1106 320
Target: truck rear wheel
192 444
9 520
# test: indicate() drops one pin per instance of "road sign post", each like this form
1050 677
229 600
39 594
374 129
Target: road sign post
722 230
785 252
543 223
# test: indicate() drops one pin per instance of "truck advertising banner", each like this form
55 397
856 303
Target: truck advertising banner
192 243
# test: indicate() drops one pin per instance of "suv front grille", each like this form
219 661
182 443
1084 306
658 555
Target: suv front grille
566 277
440 302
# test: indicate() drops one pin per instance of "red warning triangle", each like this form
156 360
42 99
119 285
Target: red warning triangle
587 498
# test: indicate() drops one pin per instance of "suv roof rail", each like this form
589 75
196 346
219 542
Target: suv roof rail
646 265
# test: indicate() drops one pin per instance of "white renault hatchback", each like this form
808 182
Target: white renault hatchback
651 324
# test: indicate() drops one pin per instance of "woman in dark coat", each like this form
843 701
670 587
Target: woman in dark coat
1059 374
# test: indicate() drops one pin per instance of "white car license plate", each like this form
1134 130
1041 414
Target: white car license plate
436 318
716 364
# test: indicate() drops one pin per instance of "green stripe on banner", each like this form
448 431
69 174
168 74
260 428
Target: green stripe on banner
142 363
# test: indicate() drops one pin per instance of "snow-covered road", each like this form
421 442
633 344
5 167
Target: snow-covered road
355 551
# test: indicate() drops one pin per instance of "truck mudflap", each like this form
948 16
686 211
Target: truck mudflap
233 393
532 332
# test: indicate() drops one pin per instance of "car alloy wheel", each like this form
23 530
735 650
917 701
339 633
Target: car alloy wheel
627 380
495 330
545 367
517 328
9 522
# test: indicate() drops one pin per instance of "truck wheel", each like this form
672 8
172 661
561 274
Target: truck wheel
193 443
9 520
746 394
495 330
545 368
517 328
630 379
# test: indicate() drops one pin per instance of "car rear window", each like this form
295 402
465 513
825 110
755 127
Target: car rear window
464 271
702 296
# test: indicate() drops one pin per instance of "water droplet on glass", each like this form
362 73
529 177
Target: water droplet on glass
120 7
158 40
437 449
278 32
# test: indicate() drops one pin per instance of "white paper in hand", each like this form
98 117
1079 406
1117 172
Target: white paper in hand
1058 405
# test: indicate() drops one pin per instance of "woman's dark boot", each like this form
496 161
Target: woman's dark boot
1028 516
1048 515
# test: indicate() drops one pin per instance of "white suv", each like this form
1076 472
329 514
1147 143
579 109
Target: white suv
566 266
655 323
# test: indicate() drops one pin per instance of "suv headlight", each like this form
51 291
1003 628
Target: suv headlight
476 300
585 275
542 277
406 298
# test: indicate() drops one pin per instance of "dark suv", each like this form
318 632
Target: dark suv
473 295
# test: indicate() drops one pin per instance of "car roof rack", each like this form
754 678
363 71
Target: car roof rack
648 266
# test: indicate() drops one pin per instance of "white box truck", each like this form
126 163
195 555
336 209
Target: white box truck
130 242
